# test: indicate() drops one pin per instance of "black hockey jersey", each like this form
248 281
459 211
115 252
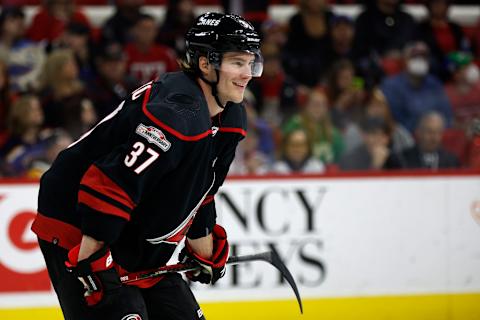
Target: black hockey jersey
144 176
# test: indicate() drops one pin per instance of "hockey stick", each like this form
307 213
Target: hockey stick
269 256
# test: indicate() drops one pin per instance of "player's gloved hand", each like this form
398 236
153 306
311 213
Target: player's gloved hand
213 268
97 274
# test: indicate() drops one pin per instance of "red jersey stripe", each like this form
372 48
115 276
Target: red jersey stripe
234 130
95 179
207 200
101 206
168 128
53 230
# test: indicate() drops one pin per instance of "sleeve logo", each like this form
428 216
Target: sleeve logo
153 135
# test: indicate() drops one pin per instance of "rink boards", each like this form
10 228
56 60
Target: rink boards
377 247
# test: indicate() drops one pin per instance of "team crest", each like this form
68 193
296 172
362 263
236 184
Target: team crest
153 135
132 316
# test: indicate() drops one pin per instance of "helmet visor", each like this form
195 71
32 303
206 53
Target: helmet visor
249 63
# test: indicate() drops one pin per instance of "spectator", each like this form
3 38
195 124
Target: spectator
327 141
179 17
296 155
146 59
464 89
265 132
26 138
377 107
54 143
414 91
428 152
249 160
274 32
65 99
77 38
345 92
373 152
442 36
308 38
381 32
342 34
23 56
117 27
112 83
275 91
52 18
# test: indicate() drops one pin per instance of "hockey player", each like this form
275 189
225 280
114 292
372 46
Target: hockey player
137 188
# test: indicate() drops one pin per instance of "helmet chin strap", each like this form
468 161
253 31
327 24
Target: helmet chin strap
213 85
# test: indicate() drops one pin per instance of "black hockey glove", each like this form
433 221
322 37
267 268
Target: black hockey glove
97 274
214 268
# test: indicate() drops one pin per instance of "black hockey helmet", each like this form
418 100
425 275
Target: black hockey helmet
213 34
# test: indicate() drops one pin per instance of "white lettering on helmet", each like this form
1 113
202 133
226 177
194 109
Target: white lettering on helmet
208 22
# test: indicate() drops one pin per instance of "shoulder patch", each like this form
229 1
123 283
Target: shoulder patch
184 105
153 135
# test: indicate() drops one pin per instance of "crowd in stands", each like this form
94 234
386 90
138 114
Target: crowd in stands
378 91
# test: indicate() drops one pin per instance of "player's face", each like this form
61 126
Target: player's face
235 73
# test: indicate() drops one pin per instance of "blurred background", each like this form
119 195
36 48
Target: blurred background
361 165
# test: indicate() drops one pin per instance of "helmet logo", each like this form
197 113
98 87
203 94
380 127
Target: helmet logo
245 24
208 22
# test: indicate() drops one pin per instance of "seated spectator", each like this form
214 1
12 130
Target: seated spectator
64 97
117 27
249 160
304 54
428 151
377 106
373 152
274 32
23 56
274 91
265 132
345 92
327 141
77 38
341 42
54 143
146 59
52 18
414 91
296 155
112 83
26 138
381 31
178 19
442 36
464 89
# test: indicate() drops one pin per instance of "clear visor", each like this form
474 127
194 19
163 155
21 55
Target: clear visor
247 63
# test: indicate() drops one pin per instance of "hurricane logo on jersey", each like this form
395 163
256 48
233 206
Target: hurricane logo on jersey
132 317
214 131
153 135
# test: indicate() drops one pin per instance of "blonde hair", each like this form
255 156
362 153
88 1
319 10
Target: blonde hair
53 68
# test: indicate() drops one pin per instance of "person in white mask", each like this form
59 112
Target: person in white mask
463 90
415 91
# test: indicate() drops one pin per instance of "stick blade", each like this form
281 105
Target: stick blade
275 260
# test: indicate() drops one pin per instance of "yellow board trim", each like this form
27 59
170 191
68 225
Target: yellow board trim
419 307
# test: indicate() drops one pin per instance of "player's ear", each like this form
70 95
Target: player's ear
203 65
